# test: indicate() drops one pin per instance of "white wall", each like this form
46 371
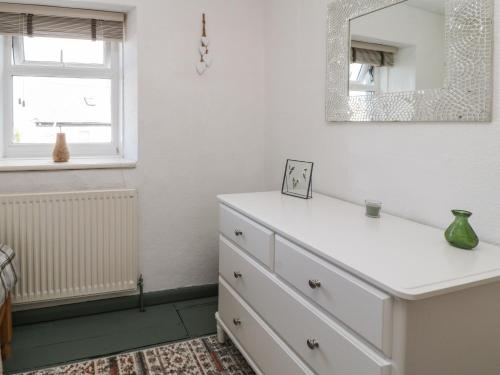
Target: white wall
419 171
198 136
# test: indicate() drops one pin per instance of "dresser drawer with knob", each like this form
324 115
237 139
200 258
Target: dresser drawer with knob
250 236
235 272
325 346
365 309
271 354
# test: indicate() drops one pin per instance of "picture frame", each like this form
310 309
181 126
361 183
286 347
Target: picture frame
297 179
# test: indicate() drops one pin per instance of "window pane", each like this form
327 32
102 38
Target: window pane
81 106
354 71
366 75
63 50
361 73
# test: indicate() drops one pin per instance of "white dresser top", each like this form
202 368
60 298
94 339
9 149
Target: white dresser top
408 260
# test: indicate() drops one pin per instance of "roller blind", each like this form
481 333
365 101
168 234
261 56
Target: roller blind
60 23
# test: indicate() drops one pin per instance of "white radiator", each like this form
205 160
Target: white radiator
71 244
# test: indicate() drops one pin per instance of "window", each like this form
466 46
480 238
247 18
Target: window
68 85
368 70
61 74
361 79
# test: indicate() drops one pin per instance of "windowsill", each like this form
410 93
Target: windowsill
14 164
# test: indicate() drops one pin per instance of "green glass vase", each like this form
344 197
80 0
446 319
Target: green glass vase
460 233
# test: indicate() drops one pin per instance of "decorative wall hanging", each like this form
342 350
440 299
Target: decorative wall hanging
297 180
205 59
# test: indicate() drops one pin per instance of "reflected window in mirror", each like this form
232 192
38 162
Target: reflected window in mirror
361 79
402 47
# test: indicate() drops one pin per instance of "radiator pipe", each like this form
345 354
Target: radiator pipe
140 284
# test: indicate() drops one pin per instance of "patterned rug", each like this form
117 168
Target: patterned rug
203 356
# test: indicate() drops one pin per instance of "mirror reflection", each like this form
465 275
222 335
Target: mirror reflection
398 48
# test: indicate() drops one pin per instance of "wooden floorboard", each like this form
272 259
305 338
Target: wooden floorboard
199 319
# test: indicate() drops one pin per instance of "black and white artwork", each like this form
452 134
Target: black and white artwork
297 180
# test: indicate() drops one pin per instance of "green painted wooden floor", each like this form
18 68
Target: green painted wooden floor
51 343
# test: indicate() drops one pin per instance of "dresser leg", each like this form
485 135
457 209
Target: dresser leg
221 335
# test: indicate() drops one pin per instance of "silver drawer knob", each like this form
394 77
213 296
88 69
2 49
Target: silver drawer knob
315 284
237 322
312 344
237 275
238 233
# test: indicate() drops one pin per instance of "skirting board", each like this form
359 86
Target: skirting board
112 304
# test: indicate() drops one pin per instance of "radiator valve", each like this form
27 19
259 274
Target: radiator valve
140 285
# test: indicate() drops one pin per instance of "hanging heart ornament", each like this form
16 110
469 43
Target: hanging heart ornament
207 59
201 67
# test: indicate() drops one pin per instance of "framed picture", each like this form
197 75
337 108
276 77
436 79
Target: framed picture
297 180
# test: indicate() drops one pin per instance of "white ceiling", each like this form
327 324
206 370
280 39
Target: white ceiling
435 6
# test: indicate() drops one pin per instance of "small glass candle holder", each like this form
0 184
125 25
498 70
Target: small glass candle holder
373 208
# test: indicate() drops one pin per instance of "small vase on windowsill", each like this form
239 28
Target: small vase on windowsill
61 151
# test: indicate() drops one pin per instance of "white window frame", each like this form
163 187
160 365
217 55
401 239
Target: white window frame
111 69
355 85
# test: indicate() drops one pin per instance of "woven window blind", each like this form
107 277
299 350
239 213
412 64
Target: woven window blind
32 22
371 57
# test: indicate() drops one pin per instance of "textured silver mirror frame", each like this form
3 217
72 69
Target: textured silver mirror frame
468 86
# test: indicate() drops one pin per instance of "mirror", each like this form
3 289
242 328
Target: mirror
398 48
409 60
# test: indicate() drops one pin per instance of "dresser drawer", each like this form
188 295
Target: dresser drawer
250 236
365 309
296 321
259 341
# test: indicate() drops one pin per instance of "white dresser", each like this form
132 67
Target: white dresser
316 287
